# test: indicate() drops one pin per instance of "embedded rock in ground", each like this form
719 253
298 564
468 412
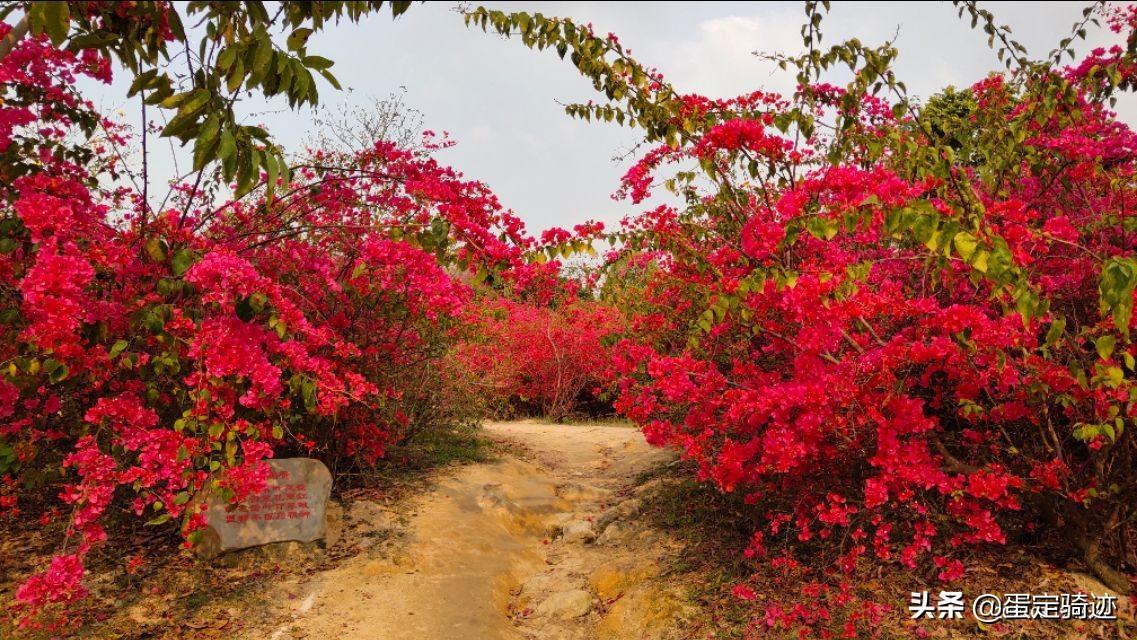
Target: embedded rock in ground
555 525
149 613
553 580
621 511
612 535
1086 583
578 531
535 588
492 496
641 613
566 605
654 487
576 492
611 579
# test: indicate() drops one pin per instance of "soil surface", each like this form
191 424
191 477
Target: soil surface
541 543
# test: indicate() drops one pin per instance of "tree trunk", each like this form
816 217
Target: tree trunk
1110 577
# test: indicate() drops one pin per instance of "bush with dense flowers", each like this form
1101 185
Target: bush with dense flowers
150 357
900 330
546 360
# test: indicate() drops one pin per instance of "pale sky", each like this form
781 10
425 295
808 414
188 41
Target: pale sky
499 100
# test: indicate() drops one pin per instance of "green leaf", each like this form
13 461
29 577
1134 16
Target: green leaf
1027 303
157 249
247 171
1115 288
309 395
183 259
56 371
1105 346
141 81
118 347
318 63
299 38
56 20
331 79
965 244
207 142
59 375
1108 430
176 101
180 126
236 77
980 261
197 102
226 58
706 321
1086 432
1114 376
273 172
227 151
823 228
174 21
262 56
1054 333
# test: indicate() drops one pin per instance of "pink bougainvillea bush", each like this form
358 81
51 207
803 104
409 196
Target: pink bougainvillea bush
901 330
541 344
153 355
547 360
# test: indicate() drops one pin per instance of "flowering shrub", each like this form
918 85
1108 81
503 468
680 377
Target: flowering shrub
547 360
151 357
896 340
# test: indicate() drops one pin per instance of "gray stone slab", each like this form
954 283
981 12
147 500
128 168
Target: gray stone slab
292 507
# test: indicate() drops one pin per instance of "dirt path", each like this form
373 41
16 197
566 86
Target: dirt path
539 547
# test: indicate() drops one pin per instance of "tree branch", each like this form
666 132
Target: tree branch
9 42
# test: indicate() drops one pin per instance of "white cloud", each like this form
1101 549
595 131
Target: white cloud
720 60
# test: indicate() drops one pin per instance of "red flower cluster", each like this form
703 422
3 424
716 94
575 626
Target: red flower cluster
548 360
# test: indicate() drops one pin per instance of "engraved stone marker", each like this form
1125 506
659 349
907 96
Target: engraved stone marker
291 507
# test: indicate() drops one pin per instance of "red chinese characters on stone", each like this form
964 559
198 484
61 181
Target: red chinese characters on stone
280 500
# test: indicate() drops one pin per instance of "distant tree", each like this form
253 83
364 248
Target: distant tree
351 127
948 117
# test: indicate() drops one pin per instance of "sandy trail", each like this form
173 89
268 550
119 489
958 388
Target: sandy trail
484 555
